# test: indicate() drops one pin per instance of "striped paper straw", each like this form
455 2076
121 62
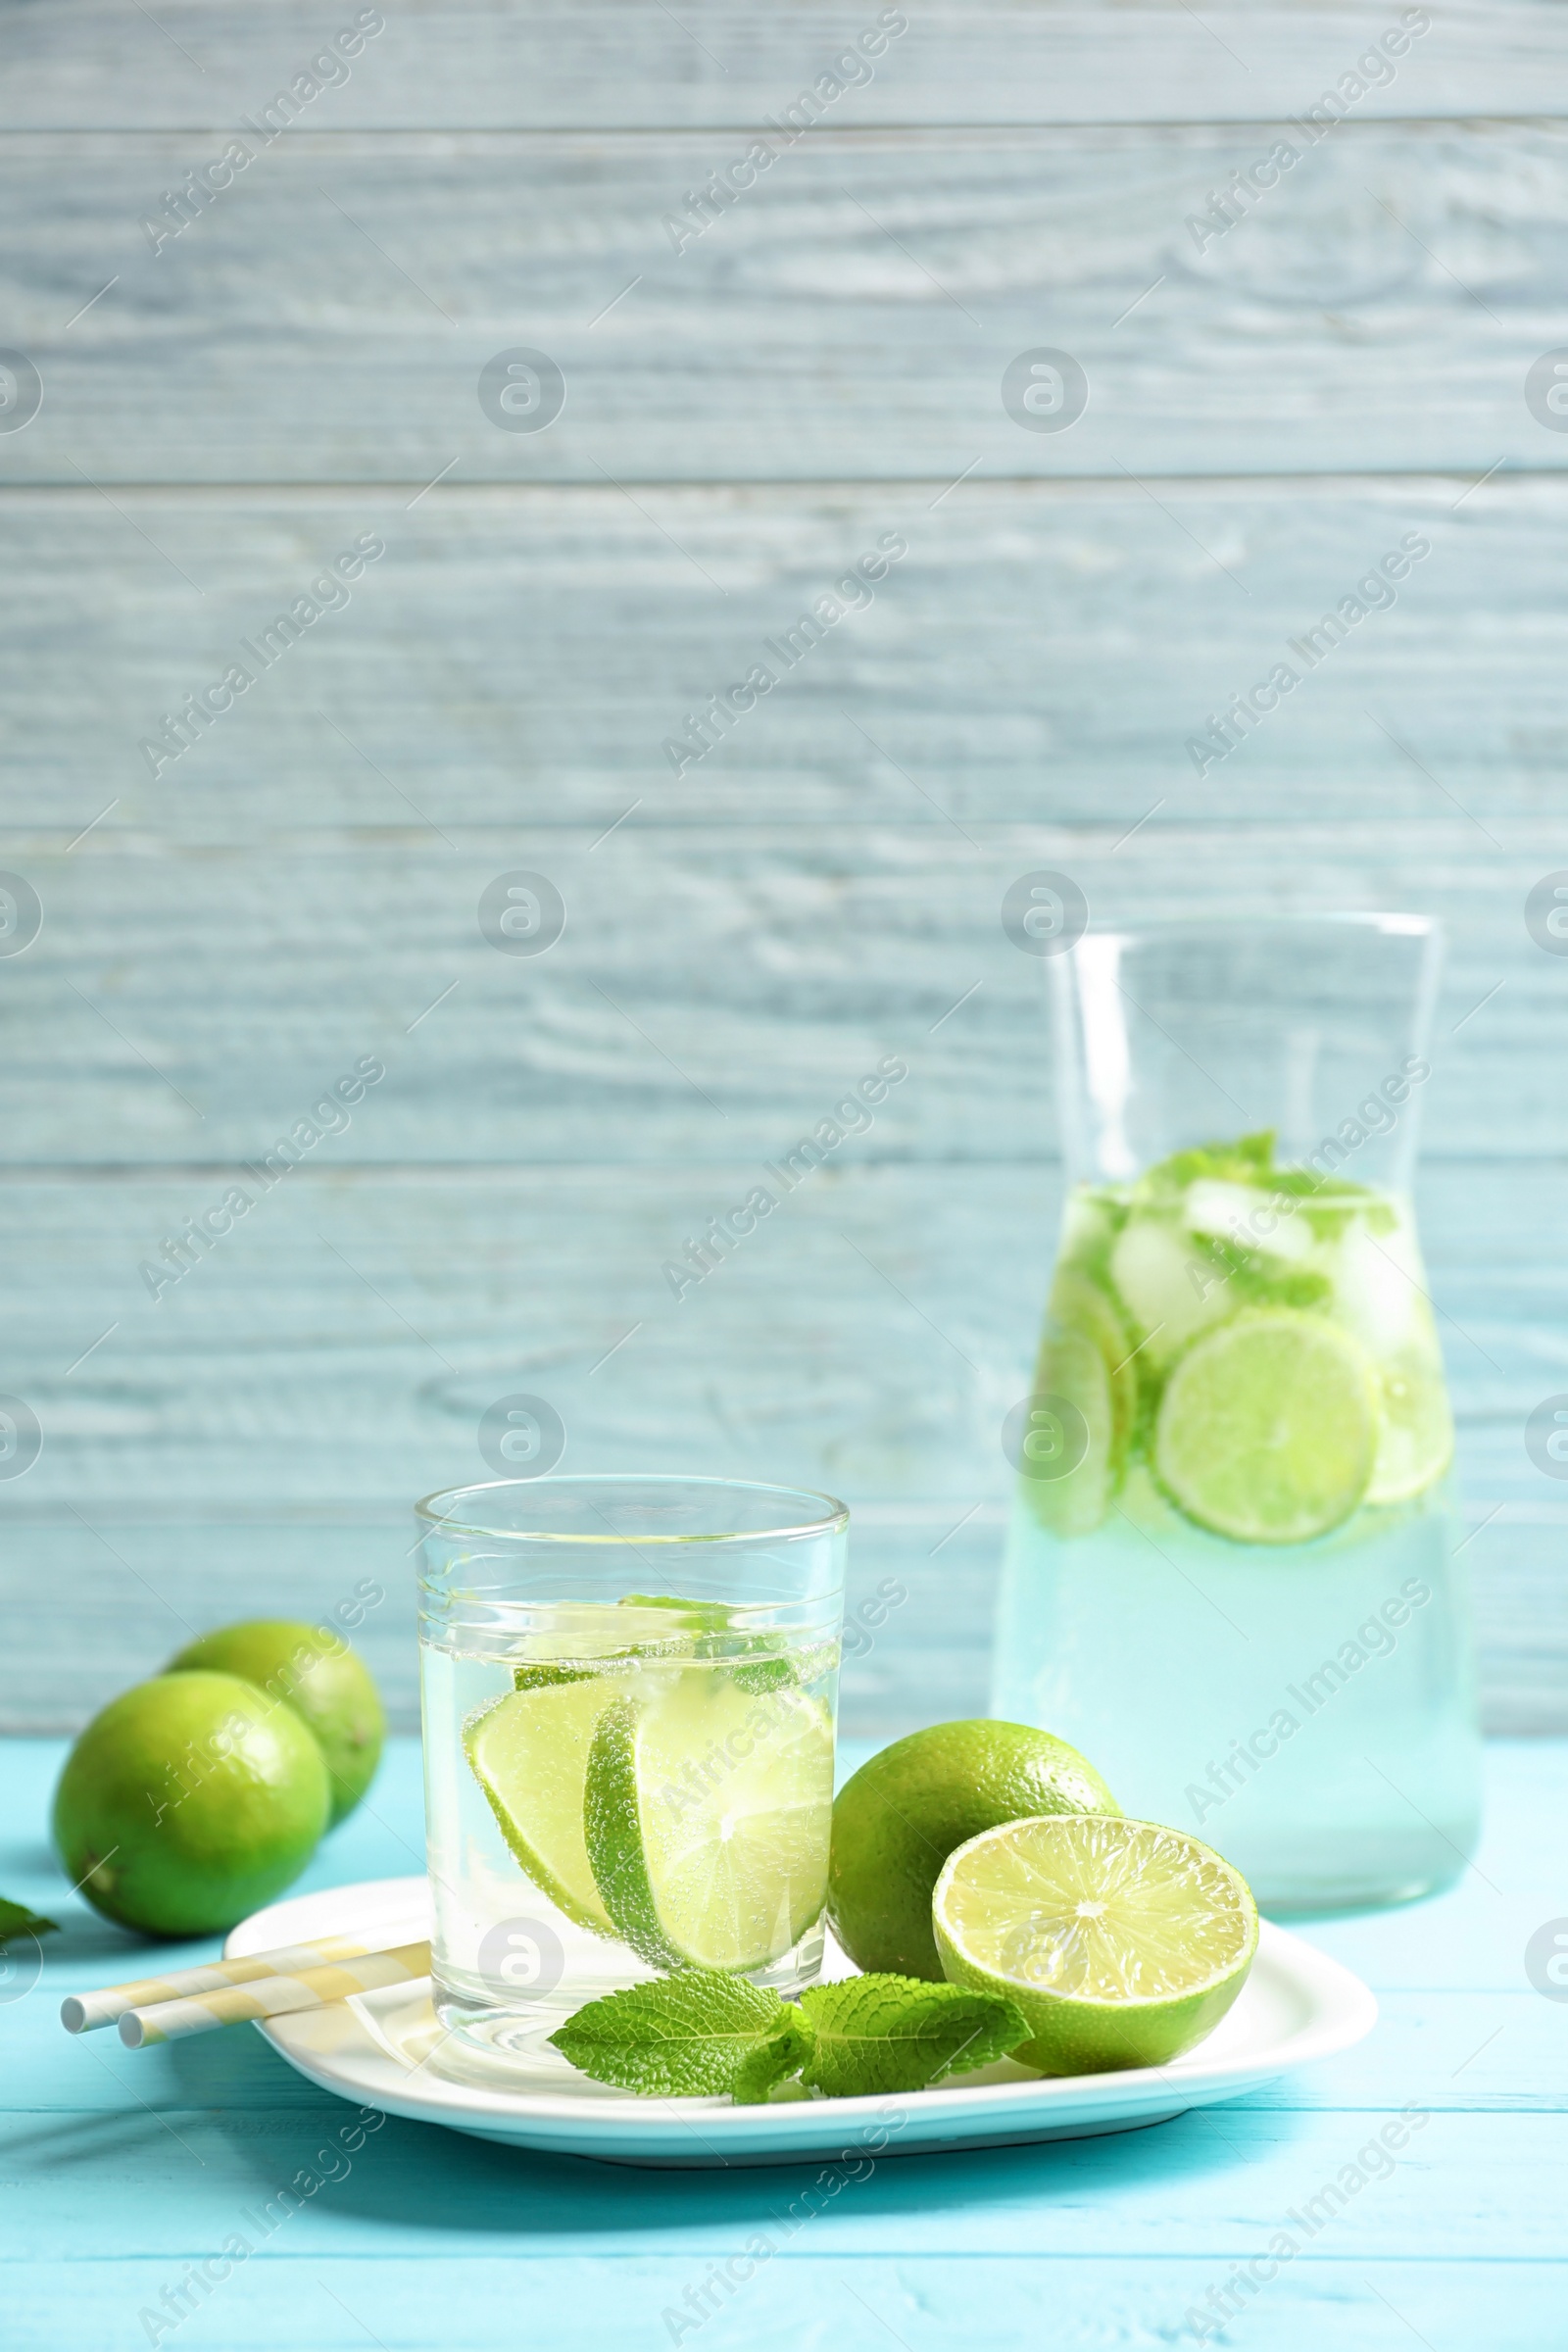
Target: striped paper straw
272 1996
85 2012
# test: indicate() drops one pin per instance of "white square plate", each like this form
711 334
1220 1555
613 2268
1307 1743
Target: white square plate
385 2050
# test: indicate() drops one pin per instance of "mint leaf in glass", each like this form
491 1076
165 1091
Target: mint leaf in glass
1248 1159
697 2035
885 2032
1256 1279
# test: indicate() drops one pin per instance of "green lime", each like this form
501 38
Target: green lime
1269 1427
189 1803
899 1819
316 1674
1417 1444
1122 1943
708 1814
530 1755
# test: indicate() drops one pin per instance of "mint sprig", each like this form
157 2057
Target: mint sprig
702 2033
698 2033
881 2033
17 1918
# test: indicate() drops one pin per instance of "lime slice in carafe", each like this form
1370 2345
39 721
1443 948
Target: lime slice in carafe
1064 1450
1269 1428
1417 1444
708 1814
1079 1305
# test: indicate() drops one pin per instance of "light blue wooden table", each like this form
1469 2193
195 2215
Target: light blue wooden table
121 2171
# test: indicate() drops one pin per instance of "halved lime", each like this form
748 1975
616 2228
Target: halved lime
1122 1943
707 1813
1417 1444
896 1822
529 1753
1070 1370
1269 1427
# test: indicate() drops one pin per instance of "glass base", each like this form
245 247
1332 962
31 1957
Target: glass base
1350 1896
516 2040
514 2036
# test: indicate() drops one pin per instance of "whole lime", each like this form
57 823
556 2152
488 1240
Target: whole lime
316 1674
903 1814
190 1802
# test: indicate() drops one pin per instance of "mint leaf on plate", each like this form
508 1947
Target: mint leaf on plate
702 2033
16 1919
698 2033
883 2033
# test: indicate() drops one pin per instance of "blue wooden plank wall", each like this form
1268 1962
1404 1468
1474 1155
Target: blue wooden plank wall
256 333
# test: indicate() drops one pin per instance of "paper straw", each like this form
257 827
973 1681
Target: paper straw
272 1996
85 2012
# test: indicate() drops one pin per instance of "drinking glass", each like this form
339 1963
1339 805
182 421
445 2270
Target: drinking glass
1232 1575
629 1689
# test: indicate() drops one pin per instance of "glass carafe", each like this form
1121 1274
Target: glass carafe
1232 1575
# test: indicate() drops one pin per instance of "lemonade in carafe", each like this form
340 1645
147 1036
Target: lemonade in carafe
1231 1573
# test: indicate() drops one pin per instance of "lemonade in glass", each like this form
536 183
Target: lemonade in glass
629 1689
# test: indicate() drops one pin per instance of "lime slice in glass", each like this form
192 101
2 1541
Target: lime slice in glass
711 1630
1122 1943
530 1755
1417 1444
1269 1427
1064 1449
707 1815
537 1677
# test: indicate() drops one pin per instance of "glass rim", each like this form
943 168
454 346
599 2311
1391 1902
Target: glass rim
831 1517
1392 922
